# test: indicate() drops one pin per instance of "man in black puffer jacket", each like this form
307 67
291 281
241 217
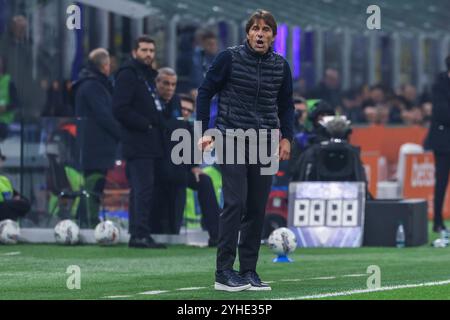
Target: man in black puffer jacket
98 133
254 86
136 108
439 141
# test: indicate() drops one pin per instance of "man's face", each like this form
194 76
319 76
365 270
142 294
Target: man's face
19 27
106 68
410 93
260 37
301 108
377 95
145 53
166 86
332 79
187 109
210 46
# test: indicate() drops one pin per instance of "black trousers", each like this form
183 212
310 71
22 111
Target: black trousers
442 171
208 203
14 209
89 208
170 200
168 206
245 193
141 176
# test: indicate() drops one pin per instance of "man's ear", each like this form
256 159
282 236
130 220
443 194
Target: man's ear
273 40
133 53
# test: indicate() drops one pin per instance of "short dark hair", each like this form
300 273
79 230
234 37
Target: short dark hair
143 39
447 62
268 18
208 34
299 99
186 97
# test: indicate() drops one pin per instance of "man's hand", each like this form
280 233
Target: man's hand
197 172
206 143
285 150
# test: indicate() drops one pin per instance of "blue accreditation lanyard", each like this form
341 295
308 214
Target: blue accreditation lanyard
158 103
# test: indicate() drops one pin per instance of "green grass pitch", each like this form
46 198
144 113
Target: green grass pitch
39 272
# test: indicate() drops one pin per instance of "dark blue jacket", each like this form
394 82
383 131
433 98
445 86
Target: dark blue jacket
200 65
255 91
439 134
98 133
134 107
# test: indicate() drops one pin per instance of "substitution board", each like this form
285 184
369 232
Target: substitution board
327 214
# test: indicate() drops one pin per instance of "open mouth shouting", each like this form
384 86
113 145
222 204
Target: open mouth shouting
260 44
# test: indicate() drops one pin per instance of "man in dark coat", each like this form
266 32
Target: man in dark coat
439 142
172 180
169 196
98 132
254 86
135 108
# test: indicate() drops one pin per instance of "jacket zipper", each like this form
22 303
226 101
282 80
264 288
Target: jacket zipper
257 92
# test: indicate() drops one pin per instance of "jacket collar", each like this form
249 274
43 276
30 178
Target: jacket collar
91 72
144 68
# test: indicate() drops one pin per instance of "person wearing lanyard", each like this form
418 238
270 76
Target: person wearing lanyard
135 108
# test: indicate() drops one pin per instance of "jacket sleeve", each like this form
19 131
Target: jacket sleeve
99 105
441 103
197 69
124 92
215 79
286 105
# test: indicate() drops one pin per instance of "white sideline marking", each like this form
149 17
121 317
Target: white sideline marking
117 297
355 275
153 292
16 253
190 289
323 278
353 292
291 280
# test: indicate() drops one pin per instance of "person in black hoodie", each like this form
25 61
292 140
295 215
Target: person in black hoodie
439 141
135 108
98 131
